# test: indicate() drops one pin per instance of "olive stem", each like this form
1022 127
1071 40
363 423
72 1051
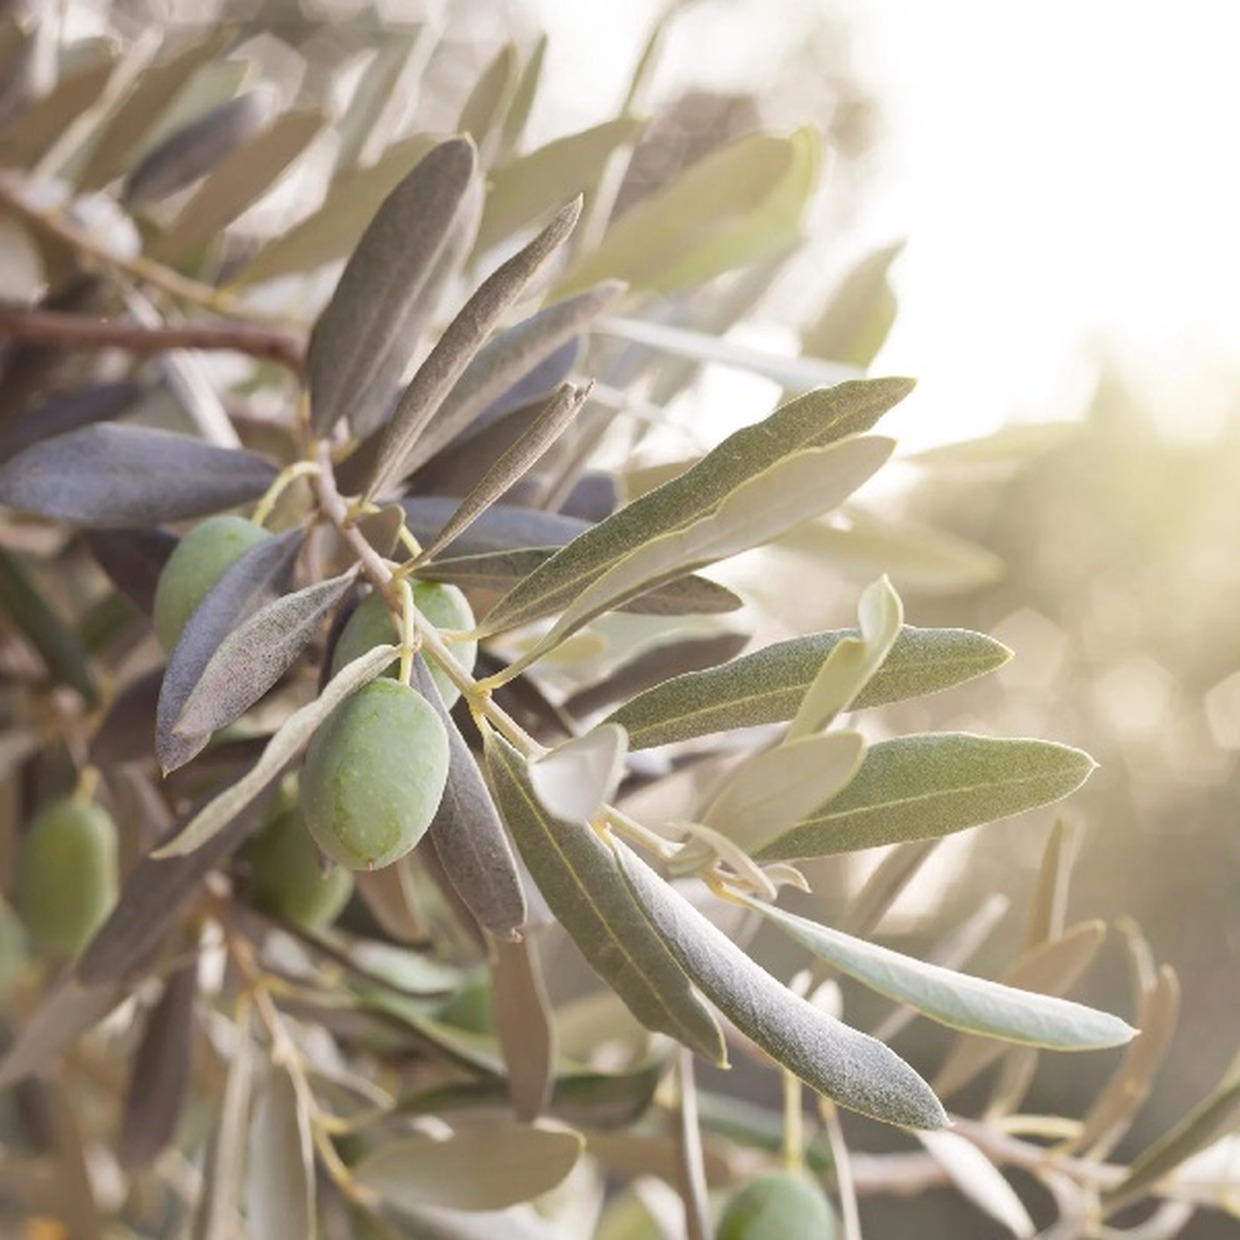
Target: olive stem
337 510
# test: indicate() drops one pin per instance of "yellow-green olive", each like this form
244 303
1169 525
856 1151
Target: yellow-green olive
374 774
197 562
67 876
371 625
778 1204
285 874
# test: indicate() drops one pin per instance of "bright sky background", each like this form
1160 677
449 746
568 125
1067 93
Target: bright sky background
1066 172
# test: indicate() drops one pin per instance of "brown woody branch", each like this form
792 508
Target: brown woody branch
78 331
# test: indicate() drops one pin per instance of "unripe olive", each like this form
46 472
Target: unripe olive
286 874
374 774
371 625
67 875
198 561
778 1203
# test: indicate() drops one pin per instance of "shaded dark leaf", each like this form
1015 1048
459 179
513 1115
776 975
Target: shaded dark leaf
256 654
527 360
594 496
66 411
655 666
512 464
852 1068
132 559
767 686
367 334
112 475
467 834
577 875
126 733
257 577
194 149
160 1074
501 528
454 350
61 650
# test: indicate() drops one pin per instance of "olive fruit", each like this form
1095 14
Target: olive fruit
374 774
286 874
371 625
67 875
778 1203
197 562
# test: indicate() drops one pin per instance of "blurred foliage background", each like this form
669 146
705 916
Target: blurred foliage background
1114 575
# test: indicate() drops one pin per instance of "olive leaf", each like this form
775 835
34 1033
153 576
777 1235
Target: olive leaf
573 780
160 1076
955 999
195 148
67 411
768 685
256 654
503 363
577 875
859 314
279 1185
133 559
293 735
478 1167
112 475
467 834
552 422
381 463
925 786
853 1069
523 1024
814 420
367 334
786 493
255 578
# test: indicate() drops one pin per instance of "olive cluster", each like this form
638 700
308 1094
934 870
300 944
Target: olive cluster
375 770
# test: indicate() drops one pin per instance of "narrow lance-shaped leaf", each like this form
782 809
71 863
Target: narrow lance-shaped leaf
554 420
66 411
197 147
768 685
254 656
955 999
814 420
772 789
577 875
979 1180
284 746
460 342
923 787
1051 968
114 475
483 111
368 332
502 362
258 576
523 1025
467 834
851 1068
763 506
852 664
479 1167
159 1082
279 1189
859 314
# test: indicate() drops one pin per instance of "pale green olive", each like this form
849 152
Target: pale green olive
374 774
67 876
371 625
197 562
779 1204
286 876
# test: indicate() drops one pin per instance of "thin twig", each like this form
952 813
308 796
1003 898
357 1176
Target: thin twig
79 331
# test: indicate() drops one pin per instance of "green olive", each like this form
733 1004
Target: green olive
374 774
67 876
371 625
286 874
199 560
778 1203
